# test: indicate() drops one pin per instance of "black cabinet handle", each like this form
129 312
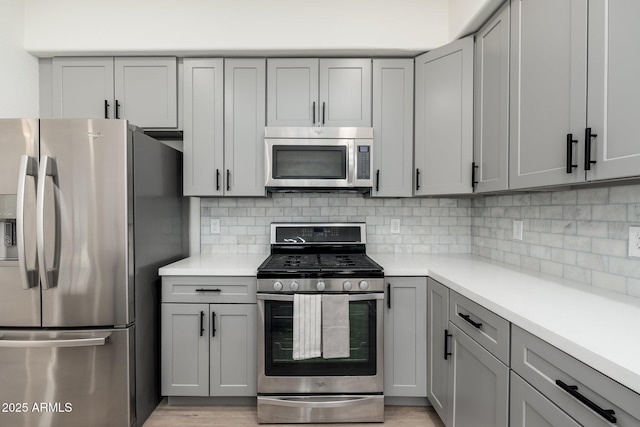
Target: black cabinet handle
213 323
587 149
208 290
446 344
228 180
201 323
217 179
323 112
607 414
388 295
417 179
570 142
117 109
378 180
314 112
474 167
469 321
106 109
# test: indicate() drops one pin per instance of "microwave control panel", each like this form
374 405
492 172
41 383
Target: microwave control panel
363 160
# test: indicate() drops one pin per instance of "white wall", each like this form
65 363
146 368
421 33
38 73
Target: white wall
206 27
466 16
18 69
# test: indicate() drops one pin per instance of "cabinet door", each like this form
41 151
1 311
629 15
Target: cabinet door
185 350
478 385
393 127
146 91
83 88
529 408
491 114
614 89
345 92
444 119
437 360
405 337
244 119
233 349
292 92
203 127
548 91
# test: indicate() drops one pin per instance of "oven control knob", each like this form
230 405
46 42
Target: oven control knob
277 286
294 286
364 285
320 286
347 286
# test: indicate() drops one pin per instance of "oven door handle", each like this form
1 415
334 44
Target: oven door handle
309 403
352 297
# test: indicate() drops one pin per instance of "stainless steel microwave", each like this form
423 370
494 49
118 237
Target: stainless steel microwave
318 158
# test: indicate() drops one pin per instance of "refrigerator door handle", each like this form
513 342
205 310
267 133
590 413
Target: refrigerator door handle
48 277
29 276
102 339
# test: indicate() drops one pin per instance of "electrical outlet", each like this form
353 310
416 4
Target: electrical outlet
395 225
634 242
215 225
517 230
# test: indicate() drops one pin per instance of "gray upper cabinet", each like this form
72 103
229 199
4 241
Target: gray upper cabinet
548 92
491 110
203 127
244 119
318 92
142 90
444 120
614 89
405 337
392 127
438 355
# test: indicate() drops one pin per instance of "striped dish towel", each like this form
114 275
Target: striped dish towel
307 324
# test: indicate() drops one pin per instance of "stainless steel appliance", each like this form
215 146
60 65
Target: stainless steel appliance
89 210
320 259
319 158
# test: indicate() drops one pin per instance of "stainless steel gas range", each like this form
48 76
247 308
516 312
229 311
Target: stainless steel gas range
320 261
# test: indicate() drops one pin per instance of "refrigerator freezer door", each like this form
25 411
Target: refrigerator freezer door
83 222
19 289
66 379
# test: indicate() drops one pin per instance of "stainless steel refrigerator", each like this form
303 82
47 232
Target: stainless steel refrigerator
89 210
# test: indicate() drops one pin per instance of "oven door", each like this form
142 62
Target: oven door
324 163
361 372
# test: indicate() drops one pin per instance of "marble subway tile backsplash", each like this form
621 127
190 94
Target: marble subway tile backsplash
578 234
426 225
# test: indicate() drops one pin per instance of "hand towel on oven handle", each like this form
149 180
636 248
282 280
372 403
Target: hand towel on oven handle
306 326
335 326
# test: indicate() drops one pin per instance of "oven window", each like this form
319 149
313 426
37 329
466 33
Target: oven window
309 162
279 343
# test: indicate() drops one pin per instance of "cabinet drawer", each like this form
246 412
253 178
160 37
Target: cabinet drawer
208 289
487 328
542 365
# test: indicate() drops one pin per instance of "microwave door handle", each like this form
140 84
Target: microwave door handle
28 167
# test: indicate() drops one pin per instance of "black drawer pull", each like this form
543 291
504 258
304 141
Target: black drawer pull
469 321
378 180
588 135
208 290
417 179
388 295
228 180
106 109
213 323
201 323
117 109
474 167
217 179
607 414
314 112
446 344
570 142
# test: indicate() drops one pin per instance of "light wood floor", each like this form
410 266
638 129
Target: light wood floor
227 416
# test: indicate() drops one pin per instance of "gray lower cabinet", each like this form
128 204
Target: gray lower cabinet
491 109
224 119
392 127
405 337
529 408
478 385
437 352
143 90
444 120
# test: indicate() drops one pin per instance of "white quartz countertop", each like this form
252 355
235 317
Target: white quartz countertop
598 327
